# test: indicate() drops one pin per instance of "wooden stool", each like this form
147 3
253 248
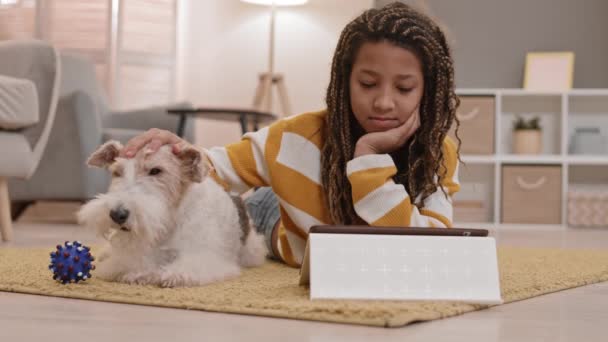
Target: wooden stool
263 93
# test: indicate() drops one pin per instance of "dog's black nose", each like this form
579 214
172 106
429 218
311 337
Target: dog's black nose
119 215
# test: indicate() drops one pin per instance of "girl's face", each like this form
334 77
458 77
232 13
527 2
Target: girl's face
386 86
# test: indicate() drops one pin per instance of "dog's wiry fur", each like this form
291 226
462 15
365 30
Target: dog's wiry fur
182 229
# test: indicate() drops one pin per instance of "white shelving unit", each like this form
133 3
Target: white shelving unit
561 113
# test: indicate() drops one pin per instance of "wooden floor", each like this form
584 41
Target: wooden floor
574 315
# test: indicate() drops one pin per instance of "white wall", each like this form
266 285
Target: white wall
223 46
492 37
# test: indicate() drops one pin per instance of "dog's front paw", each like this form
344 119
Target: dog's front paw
142 278
106 270
169 279
104 255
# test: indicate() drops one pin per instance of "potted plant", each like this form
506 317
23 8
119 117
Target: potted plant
527 136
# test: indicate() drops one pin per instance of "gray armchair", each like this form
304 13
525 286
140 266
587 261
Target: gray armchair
31 73
83 122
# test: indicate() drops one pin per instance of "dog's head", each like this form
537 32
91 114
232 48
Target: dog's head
140 206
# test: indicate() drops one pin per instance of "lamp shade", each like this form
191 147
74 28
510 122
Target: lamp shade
277 2
14 2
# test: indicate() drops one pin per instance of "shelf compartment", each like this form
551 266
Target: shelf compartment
587 197
474 203
588 125
548 107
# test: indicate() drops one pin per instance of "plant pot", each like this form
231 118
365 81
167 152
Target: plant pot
527 141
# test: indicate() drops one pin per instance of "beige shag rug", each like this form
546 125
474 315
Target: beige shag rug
272 290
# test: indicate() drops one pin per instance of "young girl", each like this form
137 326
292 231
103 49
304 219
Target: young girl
378 155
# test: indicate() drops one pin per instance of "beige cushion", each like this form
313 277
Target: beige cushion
18 103
15 155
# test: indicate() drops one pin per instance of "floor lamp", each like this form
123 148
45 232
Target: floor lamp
263 93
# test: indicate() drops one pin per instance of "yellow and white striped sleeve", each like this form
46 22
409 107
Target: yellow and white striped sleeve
242 165
381 202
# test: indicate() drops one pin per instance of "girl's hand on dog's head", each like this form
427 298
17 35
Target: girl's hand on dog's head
153 139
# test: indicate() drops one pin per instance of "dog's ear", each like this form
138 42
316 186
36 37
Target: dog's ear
105 155
194 163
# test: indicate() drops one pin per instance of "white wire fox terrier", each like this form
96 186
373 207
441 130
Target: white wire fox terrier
166 222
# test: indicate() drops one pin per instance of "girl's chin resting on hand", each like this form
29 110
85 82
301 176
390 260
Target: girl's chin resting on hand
379 124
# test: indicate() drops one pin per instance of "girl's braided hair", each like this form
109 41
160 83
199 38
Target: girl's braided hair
403 26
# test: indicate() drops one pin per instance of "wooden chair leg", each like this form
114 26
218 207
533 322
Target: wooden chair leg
6 224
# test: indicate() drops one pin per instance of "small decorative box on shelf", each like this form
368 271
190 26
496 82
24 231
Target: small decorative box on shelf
476 115
588 206
532 194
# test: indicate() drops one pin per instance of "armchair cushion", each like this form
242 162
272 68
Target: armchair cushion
15 155
18 103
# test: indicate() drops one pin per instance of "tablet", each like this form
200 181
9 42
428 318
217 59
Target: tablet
342 229
354 229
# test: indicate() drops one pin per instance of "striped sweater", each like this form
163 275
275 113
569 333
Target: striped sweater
287 157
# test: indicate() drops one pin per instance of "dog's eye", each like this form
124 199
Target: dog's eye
116 174
155 171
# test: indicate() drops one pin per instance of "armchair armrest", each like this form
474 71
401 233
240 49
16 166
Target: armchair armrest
76 134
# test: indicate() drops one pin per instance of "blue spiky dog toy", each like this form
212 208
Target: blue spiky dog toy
71 263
